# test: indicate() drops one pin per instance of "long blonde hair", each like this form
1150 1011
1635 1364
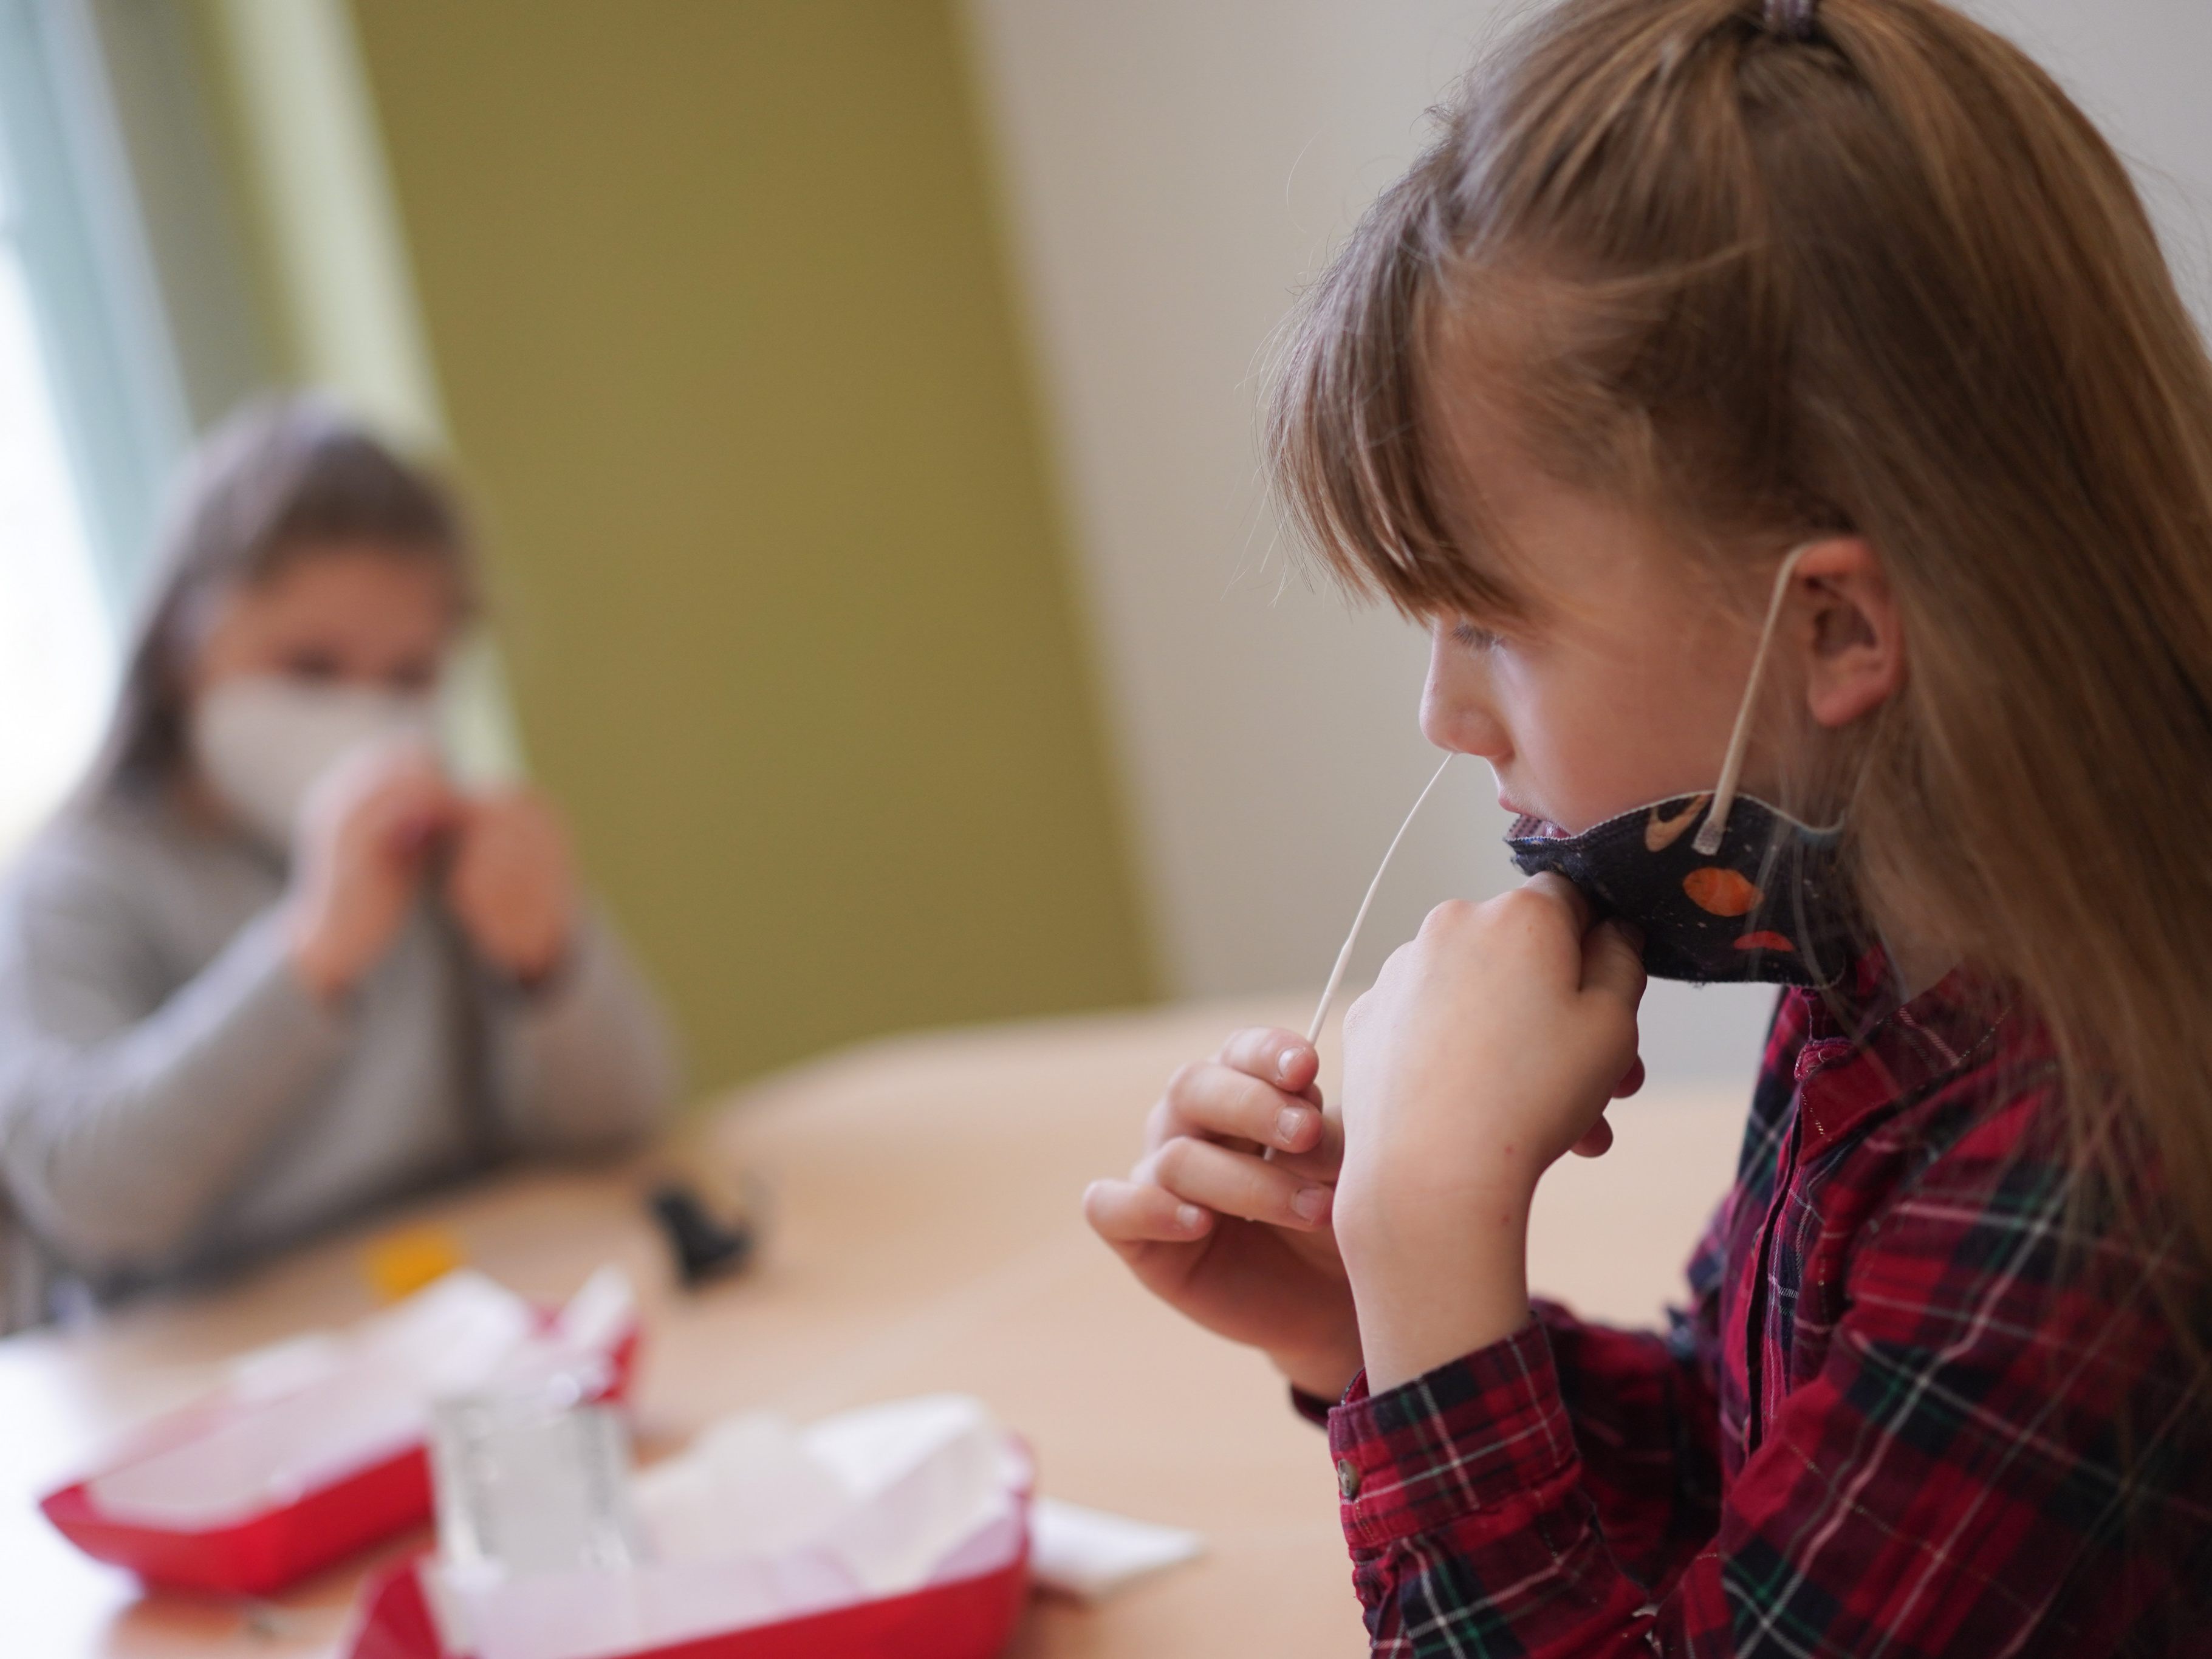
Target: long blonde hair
1858 267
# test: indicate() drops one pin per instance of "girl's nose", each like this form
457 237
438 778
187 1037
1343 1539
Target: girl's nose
1456 708
1464 730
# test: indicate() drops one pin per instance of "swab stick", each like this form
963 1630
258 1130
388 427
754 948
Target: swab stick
1344 956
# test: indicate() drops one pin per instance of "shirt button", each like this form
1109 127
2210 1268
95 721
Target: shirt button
1347 1479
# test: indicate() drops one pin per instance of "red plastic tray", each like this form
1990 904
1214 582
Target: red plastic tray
965 1618
265 1551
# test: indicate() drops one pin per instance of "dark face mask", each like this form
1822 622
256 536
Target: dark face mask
1724 886
1768 904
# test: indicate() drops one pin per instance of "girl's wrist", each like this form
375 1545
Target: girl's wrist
325 970
1385 1212
1412 1326
1325 1376
327 955
1435 1276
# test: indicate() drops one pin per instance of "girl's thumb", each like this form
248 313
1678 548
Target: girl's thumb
1613 960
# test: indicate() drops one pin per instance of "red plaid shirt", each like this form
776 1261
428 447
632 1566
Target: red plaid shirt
1921 1405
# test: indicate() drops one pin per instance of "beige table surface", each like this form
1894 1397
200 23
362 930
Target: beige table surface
924 1236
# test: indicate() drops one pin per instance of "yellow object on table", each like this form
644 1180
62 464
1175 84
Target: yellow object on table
399 1264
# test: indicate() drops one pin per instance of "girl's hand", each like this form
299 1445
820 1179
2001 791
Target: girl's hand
366 834
1240 1243
512 885
1488 1048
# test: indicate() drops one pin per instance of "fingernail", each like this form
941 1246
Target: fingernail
1311 1204
1289 1126
1285 1062
1190 1217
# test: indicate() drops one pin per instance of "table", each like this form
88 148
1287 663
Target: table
924 1236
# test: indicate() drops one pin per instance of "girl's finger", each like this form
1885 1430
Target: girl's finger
1237 1184
1130 1213
1568 897
1596 1141
1321 1165
1631 1081
412 837
1222 1103
1282 1058
1612 961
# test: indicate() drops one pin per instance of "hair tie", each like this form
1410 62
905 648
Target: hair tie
1792 20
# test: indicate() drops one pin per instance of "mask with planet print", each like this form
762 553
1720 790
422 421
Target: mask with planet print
1724 886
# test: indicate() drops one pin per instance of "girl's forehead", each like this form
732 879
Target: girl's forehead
1553 540
1542 543
1569 563
373 594
347 577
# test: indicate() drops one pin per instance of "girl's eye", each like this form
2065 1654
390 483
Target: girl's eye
1475 638
312 666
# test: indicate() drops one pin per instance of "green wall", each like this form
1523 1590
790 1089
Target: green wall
715 302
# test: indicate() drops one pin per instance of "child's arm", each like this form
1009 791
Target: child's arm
586 1062
129 1113
1488 1048
1646 1419
1994 1450
581 1056
1440 1169
1955 1479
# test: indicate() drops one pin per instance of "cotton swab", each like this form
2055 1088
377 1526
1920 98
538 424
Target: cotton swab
1344 956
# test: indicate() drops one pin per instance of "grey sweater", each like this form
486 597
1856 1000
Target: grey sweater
173 1100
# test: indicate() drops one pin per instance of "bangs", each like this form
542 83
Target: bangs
1568 250
1353 447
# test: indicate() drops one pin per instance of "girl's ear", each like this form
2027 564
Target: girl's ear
1849 630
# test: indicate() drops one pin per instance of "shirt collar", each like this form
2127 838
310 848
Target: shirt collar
1867 1046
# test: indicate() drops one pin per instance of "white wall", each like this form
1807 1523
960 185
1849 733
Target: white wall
1173 168
2139 69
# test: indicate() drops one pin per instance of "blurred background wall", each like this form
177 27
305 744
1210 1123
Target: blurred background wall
726 353
860 398
726 349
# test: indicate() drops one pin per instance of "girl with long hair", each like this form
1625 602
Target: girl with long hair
1784 419
275 965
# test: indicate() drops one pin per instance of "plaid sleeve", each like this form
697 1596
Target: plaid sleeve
1646 1419
1954 1479
1464 1503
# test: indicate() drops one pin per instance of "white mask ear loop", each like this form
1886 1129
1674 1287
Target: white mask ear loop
1708 840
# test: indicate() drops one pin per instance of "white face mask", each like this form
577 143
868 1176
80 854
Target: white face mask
263 742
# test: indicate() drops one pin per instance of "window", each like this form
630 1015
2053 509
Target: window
57 649
91 418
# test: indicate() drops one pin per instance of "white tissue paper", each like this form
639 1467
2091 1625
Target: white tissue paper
758 1522
309 1412
1089 1553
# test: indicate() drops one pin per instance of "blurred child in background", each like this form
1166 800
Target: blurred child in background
276 965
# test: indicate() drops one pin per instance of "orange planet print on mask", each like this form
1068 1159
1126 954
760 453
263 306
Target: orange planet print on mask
1721 892
1766 941
1660 834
